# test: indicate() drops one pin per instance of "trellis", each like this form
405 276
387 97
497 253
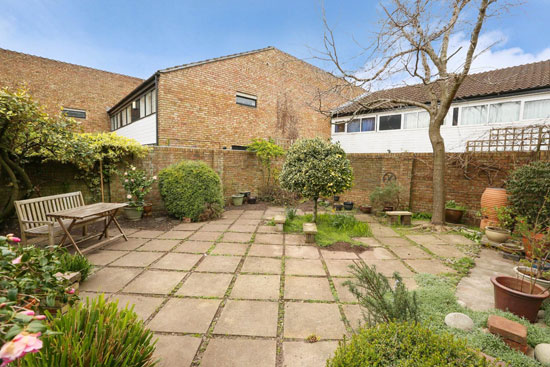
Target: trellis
513 139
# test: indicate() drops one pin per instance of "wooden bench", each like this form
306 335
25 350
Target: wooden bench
33 219
280 221
400 217
310 229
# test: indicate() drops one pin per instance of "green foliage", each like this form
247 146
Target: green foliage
73 263
451 204
191 189
422 215
506 217
290 213
404 345
527 186
387 195
382 302
266 151
315 168
15 319
137 185
96 334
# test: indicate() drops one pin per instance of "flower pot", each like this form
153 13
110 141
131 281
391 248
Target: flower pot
237 199
496 234
348 205
367 209
511 247
338 207
388 209
252 200
453 215
246 195
133 213
512 294
523 273
147 209
528 246
336 198
491 199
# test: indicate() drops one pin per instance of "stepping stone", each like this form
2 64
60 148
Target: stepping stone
376 253
307 288
187 315
460 321
304 267
103 257
109 279
205 285
219 264
266 250
304 319
425 239
143 306
237 237
176 261
155 282
261 265
339 255
249 286
176 350
205 236
304 252
410 252
137 259
303 354
131 244
269 238
194 247
252 318
239 353
429 266
444 250
159 245
339 268
175 235
224 248
542 354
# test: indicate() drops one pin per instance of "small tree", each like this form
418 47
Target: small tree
315 168
266 151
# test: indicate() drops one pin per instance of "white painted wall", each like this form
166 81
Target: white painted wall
143 130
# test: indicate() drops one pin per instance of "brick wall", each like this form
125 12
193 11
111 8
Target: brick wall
58 84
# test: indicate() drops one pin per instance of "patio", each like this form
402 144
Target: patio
233 292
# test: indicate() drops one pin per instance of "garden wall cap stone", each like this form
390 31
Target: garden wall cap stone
542 354
507 329
279 219
460 321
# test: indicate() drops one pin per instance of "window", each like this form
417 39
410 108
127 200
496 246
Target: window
368 124
141 107
504 112
71 112
340 128
148 101
474 115
414 120
455 116
536 109
390 122
354 126
246 100
238 147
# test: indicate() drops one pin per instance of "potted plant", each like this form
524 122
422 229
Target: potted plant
386 197
336 198
367 209
252 200
338 207
454 212
137 185
237 199
348 205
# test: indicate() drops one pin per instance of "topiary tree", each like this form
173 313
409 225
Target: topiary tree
315 168
191 189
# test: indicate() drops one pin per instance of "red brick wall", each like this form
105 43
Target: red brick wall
58 84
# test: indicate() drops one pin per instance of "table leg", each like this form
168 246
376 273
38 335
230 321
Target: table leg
119 228
68 234
112 219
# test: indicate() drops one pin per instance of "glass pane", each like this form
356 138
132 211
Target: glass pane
246 101
142 107
148 104
339 128
368 124
391 122
354 126
410 120
475 115
504 112
536 109
123 117
455 116
153 101
423 119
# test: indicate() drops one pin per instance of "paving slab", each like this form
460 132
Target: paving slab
175 235
237 237
339 255
104 257
429 266
410 283
247 222
187 315
232 213
194 247
129 230
219 264
304 267
444 250
303 354
395 241
343 291
266 229
303 252
369 241
146 234
410 252
230 248
455 239
204 236
137 259
252 214
239 353
266 250
205 285
144 306
215 227
155 282
85 296
176 350
159 245
242 228
379 230
425 239
109 279
269 238
131 244
376 253
262 265
252 318
304 319
252 286
354 314
295 239
340 268
177 261
308 288
388 267
188 226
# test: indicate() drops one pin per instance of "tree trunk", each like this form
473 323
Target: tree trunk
315 209
9 206
439 190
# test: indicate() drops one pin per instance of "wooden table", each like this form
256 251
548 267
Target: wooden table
89 213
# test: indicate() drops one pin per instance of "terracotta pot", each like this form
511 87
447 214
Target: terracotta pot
491 199
338 207
453 215
528 247
388 209
496 234
509 296
367 209
147 209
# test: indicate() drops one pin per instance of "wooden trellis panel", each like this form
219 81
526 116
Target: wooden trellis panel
513 139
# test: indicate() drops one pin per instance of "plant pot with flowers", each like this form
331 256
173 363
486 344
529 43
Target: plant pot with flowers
454 212
137 184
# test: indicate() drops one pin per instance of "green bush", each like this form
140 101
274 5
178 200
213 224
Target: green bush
387 195
404 344
191 189
73 263
95 334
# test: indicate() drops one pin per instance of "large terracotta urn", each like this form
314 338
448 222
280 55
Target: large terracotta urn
491 199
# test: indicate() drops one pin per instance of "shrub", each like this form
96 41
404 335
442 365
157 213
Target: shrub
527 186
191 189
387 195
73 263
96 334
266 151
404 344
137 185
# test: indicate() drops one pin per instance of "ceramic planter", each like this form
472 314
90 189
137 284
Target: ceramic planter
367 209
496 234
237 199
147 209
453 215
252 200
348 205
133 213
523 273
511 294
338 207
336 198
491 199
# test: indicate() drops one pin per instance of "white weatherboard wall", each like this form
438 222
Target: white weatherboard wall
143 130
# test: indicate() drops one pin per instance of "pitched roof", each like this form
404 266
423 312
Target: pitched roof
490 83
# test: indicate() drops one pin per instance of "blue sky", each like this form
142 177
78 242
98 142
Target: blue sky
139 37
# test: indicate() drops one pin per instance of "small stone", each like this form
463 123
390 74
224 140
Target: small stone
460 321
540 315
542 354
71 277
461 303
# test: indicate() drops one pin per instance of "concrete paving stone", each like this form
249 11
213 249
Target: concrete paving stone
236 237
131 244
175 235
388 267
262 265
247 222
395 241
308 288
266 250
425 239
219 264
109 279
224 248
339 255
382 231
228 221
204 236
302 252
410 252
369 241
269 238
144 306
232 213
146 234
215 227
187 315
155 282
239 353
267 229
251 286
295 239
129 230
242 228
340 268
176 350
103 257
455 239
194 247
343 291
188 226
376 253
253 214
365 218
429 266
252 318
137 259
177 261
304 267
354 314
85 296
205 285
159 245
303 354
304 319
410 283
444 250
